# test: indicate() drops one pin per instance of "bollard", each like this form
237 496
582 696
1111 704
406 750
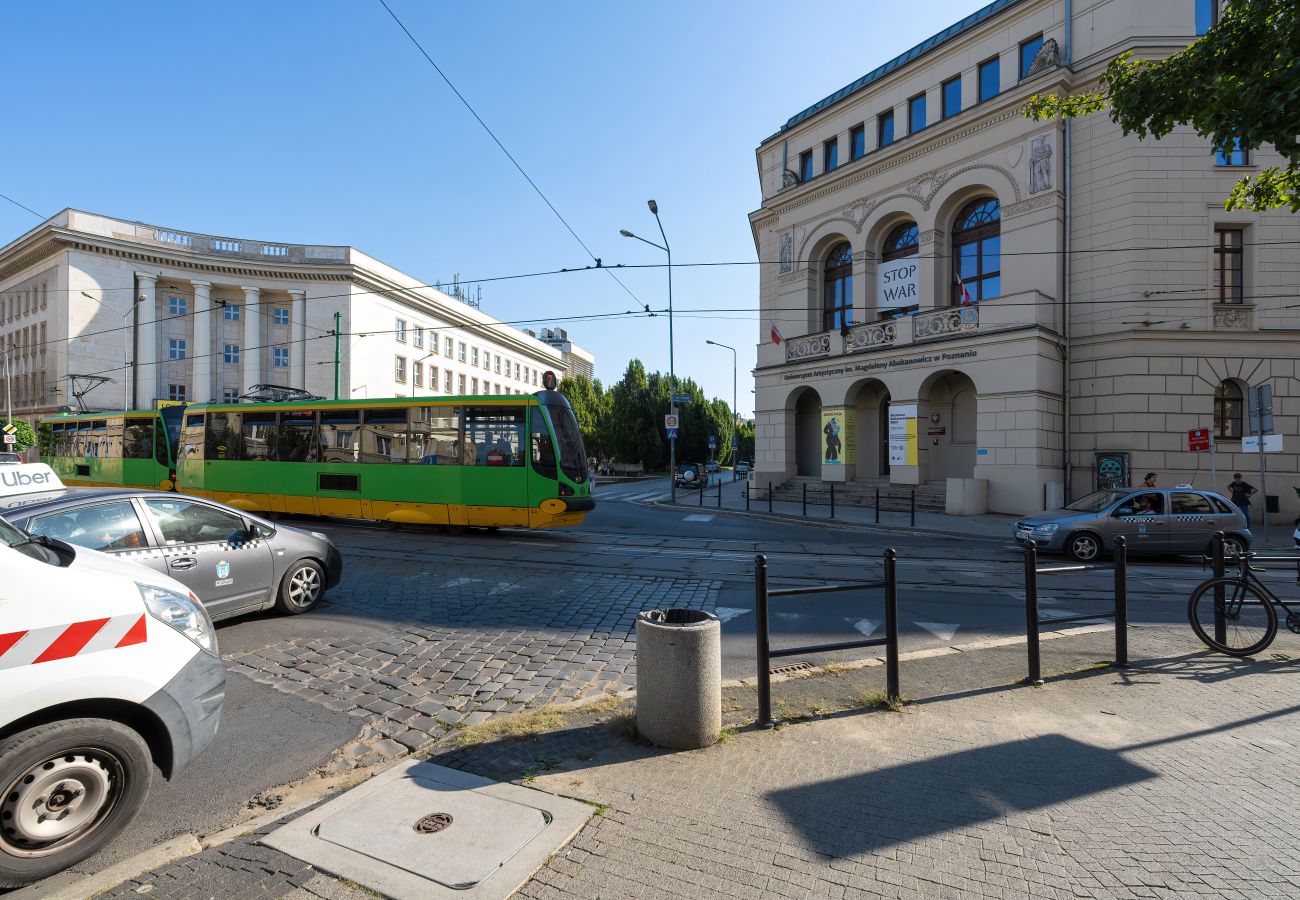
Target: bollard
719 493
832 499
891 626
877 506
1121 602
1216 555
760 630
1031 612
702 489
805 498
746 498
913 507
769 496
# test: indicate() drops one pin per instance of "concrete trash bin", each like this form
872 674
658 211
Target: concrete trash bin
679 678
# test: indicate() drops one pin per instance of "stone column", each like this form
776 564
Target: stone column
934 278
146 384
298 349
201 392
252 352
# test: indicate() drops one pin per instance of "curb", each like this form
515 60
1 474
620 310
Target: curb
69 886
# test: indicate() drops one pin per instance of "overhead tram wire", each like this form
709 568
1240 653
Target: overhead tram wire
508 154
24 206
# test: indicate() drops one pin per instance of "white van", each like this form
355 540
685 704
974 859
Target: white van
106 669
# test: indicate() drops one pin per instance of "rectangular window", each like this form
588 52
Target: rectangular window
516 371
399 369
951 97
1231 156
435 436
473 357
487 361
534 377
990 79
497 362
1028 50
176 306
460 351
1228 246
297 439
418 338
229 395
446 350
857 142
232 312
1207 15
494 435
280 315
417 374
340 437
460 384
176 348
280 357
525 374
916 114
885 129
473 385
230 354
176 392
433 378
399 330
446 382
831 155
805 166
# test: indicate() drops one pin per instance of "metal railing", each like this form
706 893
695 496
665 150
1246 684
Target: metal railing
830 492
766 654
1033 623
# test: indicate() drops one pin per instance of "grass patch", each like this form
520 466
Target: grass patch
528 777
624 726
601 808
529 723
876 700
360 888
726 734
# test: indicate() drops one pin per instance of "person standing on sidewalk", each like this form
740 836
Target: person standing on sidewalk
1241 491
1150 480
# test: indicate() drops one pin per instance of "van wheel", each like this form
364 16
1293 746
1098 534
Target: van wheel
1084 547
68 788
301 588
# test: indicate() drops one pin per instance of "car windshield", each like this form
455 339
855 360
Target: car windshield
11 535
1097 501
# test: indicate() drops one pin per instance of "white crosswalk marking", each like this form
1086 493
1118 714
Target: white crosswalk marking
939 629
727 613
866 626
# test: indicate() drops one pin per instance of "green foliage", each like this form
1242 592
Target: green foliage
26 436
1240 81
591 408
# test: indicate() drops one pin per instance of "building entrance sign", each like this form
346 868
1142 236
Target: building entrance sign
896 283
838 445
902 434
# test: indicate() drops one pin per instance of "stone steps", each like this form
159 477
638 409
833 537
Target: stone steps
930 497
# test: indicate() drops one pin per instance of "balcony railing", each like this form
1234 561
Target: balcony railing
946 322
810 346
870 336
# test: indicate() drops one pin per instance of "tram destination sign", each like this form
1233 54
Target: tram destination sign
903 362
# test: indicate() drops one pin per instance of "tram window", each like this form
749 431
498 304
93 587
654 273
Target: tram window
191 442
495 435
297 439
258 436
435 431
222 439
340 434
160 443
383 436
543 448
138 442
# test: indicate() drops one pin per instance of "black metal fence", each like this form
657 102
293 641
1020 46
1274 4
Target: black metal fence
766 654
1120 613
828 499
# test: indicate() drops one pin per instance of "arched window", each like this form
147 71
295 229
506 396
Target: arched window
837 289
902 241
977 252
1227 411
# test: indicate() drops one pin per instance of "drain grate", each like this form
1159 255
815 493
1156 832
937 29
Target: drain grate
432 823
794 667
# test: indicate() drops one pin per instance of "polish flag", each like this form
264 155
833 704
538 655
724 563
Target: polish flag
966 299
776 332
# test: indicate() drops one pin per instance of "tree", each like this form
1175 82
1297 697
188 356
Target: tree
25 434
1239 84
591 408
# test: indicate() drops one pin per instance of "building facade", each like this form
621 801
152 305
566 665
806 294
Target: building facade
956 295
176 315
577 361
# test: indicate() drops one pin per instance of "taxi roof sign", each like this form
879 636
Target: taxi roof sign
28 478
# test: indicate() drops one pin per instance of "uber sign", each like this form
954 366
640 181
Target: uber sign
896 283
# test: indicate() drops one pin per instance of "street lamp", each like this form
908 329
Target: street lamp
672 377
735 437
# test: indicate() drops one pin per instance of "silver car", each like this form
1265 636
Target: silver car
1151 520
234 562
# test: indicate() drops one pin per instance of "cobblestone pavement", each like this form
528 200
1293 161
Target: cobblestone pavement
467 641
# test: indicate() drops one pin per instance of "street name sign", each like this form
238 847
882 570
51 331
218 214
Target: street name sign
1272 443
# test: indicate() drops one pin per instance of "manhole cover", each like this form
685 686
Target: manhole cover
433 823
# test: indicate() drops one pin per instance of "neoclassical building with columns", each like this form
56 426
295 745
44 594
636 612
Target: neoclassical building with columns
172 315
1007 311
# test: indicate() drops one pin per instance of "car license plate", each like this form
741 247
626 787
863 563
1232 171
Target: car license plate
1022 534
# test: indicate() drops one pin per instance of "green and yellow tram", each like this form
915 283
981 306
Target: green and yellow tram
489 461
135 448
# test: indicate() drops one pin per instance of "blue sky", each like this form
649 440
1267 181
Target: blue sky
319 122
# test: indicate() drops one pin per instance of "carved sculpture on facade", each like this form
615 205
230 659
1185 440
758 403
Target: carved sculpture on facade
1047 57
787 253
1040 164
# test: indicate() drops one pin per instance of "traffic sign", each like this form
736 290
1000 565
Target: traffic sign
11 439
681 398
672 434
10 428
1261 409
713 441
671 422
735 442
1198 439
1272 443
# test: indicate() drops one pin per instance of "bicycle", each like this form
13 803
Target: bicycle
1234 614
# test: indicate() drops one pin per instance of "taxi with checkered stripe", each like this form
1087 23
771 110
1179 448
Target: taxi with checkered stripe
107 669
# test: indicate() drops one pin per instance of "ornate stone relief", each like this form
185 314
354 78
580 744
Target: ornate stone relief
1013 154
870 336
1040 163
808 347
1047 57
1232 318
787 253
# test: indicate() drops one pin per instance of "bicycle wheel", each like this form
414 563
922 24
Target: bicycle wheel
1249 620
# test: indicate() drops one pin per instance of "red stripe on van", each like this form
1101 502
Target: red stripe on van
70 642
8 640
136 635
